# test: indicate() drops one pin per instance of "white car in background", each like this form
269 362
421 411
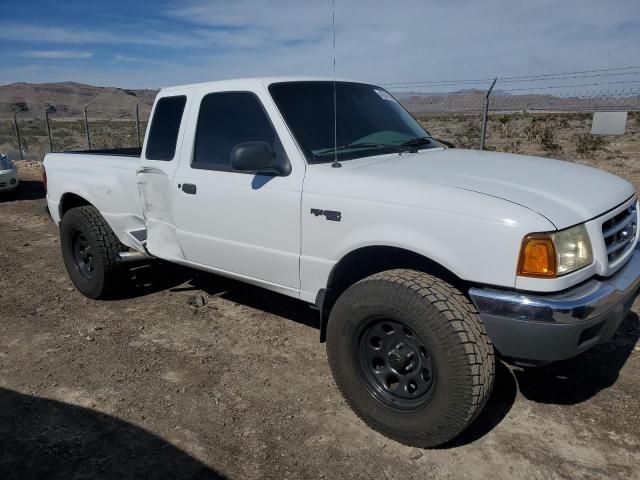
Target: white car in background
8 174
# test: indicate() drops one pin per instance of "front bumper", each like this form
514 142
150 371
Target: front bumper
8 180
549 327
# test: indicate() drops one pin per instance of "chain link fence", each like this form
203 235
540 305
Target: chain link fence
547 114
29 135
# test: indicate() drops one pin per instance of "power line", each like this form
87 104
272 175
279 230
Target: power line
532 90
524 78
617 74
616 69
550 87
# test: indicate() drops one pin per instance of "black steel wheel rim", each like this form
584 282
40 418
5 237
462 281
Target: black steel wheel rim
82 254
394 364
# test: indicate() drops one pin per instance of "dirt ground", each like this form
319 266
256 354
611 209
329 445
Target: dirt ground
151 387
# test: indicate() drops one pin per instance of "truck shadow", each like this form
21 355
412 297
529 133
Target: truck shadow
576 380
568 382
497 408
258 298
27 190
150 278
43 438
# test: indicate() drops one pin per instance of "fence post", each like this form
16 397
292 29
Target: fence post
15 124
46 116
86 128
485 111
138 125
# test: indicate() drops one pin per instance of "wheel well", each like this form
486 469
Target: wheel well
367 261
69 201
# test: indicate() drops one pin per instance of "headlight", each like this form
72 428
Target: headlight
554 254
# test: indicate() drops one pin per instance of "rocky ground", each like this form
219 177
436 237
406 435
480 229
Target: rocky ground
153 387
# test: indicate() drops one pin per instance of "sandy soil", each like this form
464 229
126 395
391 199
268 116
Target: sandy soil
151 387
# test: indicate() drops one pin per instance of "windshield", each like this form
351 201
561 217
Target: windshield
369 120
5 163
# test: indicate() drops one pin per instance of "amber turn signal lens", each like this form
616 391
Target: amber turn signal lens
537 257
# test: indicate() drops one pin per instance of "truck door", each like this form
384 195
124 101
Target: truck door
243 224
159 160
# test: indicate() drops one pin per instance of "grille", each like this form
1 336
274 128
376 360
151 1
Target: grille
3 184
619 233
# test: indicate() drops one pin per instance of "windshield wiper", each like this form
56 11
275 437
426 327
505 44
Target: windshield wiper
414 143
351 146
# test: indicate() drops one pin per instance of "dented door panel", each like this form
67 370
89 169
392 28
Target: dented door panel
156 189
155 192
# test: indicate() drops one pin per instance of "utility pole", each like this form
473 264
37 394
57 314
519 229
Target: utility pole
46 116
86 128
138 124
485 111
15 125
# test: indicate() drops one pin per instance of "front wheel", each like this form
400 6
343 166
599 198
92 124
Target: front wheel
411 357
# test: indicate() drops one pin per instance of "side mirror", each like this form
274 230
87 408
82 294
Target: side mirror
258 158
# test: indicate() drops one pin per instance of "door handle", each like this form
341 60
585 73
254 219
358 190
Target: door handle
189 188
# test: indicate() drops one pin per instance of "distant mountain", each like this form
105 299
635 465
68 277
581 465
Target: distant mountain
69 99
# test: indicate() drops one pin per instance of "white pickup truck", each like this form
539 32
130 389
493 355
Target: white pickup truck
424 261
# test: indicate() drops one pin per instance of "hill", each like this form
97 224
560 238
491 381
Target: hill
69 98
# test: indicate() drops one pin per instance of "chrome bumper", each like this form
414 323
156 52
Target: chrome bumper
549 327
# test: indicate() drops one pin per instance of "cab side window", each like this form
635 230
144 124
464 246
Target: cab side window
163 134
225 120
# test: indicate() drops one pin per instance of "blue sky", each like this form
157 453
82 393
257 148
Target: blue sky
157 43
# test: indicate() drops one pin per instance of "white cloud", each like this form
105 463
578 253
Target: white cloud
27 33
414 39
125 58
56 54
378 41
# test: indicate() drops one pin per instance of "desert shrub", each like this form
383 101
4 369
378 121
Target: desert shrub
547 140
103 140
505 127
586 143
513 147
541 131
470 135
561 120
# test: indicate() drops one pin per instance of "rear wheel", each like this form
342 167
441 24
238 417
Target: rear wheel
90 252
410 355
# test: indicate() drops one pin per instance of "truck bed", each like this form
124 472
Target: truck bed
120 152
106 179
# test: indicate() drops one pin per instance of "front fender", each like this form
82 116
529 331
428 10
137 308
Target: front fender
477 237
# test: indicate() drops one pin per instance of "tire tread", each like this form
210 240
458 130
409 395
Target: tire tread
464 326
107 248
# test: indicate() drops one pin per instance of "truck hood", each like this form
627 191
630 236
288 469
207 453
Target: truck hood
565 193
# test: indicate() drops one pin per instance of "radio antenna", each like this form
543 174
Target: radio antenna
335 163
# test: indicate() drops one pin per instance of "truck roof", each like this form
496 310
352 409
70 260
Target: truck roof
254 81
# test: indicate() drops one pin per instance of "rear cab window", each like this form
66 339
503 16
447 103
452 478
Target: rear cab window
165 125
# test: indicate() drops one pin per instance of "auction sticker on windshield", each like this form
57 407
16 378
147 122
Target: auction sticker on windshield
384 95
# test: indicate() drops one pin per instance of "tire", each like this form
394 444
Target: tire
94 269
423 332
